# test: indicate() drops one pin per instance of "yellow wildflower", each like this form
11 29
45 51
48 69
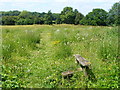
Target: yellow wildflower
55 42
48 33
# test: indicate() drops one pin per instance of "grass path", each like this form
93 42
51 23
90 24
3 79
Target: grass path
41 62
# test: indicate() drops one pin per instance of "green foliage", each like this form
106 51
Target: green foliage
114 15
24 22
9 81
31 38
78 17
61 43
58 20
11 13
9 20
96 17
25 14
39 20
67 15
48 18
20 44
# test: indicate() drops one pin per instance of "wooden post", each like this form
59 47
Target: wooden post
83 63
66 74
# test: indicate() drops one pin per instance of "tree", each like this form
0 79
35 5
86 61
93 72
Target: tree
26 21
25 14
114 15
48 18
58 20
96 17
9 20
67 15
78 17
38 20
76 11
11 13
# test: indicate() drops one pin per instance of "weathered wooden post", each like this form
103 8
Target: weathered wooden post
66 74
83 63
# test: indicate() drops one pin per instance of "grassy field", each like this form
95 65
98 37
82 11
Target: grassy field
35 56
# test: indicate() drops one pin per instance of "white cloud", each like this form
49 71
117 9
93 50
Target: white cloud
23 0
94 1
61 1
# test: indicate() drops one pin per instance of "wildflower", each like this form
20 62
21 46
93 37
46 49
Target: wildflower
83 38
65 28
49 33
78 34
55 42
57 30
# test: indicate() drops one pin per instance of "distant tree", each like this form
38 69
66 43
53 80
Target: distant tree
114 14
43 14
11 13
76 11
48 18
14 13
67 15
39 20
55 16
58 20
28 18
35 14
9 20
25 14
22 21
96 17
78 17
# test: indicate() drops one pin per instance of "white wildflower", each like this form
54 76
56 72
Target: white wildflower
57 30
83 38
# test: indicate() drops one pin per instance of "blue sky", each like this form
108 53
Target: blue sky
56 6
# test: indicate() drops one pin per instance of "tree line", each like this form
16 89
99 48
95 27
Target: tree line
67 16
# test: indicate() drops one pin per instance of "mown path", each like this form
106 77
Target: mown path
41 62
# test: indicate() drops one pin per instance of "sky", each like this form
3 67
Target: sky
56 6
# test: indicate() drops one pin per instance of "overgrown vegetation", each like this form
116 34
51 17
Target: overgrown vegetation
35 56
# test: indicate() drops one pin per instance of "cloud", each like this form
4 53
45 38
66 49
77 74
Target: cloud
23 1
94 1
61 1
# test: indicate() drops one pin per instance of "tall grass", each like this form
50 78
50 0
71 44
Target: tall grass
61 44
39 54
20 43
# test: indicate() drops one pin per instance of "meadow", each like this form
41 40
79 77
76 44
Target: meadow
34 56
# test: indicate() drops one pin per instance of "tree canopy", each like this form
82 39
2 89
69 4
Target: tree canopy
48 18
96 17
114 15
67 16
